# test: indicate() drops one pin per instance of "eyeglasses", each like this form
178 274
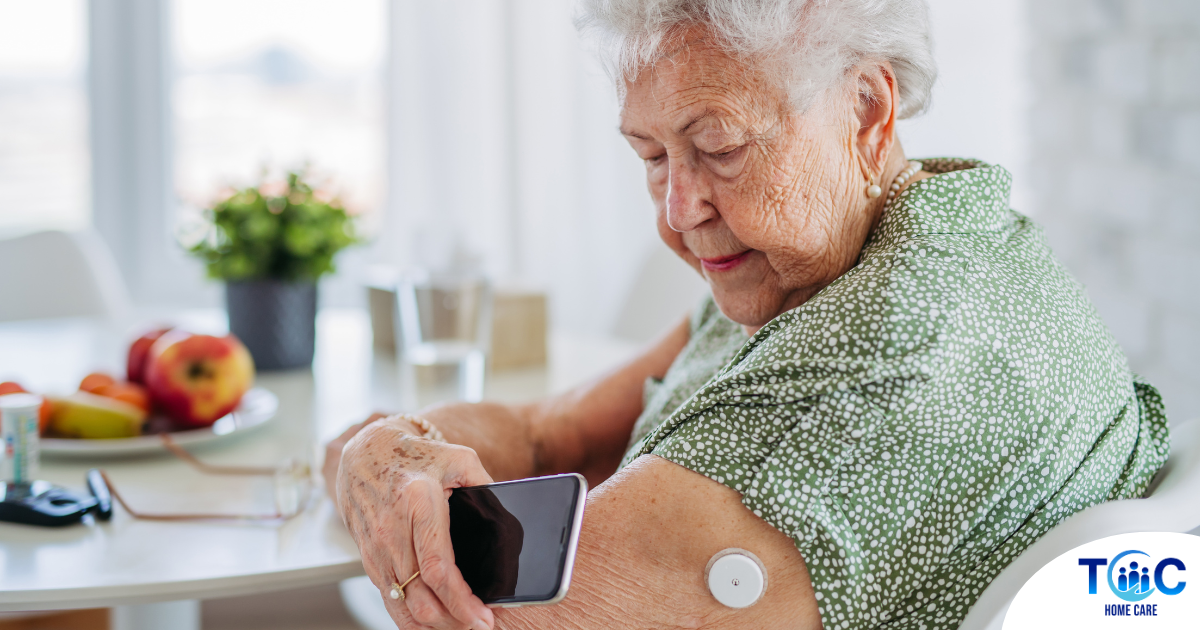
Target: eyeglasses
292 479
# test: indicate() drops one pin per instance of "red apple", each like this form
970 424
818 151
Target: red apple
197 379
135 367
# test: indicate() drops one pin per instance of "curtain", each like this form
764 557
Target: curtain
504 153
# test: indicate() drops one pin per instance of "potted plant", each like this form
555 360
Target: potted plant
270 244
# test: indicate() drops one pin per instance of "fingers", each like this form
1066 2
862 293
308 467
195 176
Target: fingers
430 517
419 608
464 469
400 519
423 607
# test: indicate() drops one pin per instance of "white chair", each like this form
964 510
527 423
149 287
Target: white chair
365 604
1170 505
59 274
664 291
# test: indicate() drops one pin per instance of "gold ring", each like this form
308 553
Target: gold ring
398 589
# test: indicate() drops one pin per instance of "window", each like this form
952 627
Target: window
44 162
279 84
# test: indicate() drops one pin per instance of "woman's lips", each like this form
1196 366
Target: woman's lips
724 263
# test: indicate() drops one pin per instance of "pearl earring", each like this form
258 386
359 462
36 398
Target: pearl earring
874 190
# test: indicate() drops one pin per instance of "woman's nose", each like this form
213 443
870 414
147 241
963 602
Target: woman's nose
689 202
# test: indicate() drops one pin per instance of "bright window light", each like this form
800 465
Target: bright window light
279 84
44 161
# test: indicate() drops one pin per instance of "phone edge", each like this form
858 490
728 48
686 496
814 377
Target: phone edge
572 542
572 546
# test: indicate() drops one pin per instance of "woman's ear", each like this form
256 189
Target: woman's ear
877 97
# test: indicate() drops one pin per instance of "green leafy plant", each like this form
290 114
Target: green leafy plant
276 230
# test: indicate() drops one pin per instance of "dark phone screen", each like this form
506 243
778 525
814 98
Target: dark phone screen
511 539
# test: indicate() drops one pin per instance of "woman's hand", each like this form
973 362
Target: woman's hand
333 454
392 491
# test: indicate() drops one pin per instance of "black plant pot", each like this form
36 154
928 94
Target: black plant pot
275 319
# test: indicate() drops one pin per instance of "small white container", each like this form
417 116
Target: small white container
19 430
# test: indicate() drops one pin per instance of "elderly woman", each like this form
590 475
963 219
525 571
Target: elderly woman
894 389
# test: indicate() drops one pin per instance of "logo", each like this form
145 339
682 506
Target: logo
1131 578
1135 581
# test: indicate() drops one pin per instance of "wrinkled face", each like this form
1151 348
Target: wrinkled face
767 205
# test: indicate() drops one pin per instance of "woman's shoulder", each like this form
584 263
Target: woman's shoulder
961 197
957 281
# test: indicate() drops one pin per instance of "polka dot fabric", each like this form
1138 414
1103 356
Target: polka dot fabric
922 420
712 341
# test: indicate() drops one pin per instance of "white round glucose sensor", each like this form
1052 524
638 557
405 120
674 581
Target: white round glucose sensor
736 578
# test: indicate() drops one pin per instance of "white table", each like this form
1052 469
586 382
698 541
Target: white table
127 563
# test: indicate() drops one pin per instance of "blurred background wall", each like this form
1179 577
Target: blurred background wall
481 132
1115 162
527 167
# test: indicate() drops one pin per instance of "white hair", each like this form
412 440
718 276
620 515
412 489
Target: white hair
805 46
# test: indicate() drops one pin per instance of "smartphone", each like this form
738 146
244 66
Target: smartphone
515 541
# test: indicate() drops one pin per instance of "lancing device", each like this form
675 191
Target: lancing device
736 577
43 503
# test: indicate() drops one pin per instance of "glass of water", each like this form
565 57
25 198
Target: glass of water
445 320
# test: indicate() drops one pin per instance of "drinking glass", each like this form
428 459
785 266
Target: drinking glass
444 320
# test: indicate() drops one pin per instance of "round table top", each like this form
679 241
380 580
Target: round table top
130 561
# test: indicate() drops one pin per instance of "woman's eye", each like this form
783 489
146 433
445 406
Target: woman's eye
656 159
726 154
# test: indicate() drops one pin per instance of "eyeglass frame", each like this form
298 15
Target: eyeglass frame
297 471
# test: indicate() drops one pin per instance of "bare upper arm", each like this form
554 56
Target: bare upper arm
587 429
648 533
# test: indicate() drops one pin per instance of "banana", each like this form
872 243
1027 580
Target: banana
88 416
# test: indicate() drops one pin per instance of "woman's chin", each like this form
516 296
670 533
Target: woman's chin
747 307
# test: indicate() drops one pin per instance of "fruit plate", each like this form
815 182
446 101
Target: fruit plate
257 407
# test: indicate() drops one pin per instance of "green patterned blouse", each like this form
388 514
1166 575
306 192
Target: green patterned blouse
924 418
